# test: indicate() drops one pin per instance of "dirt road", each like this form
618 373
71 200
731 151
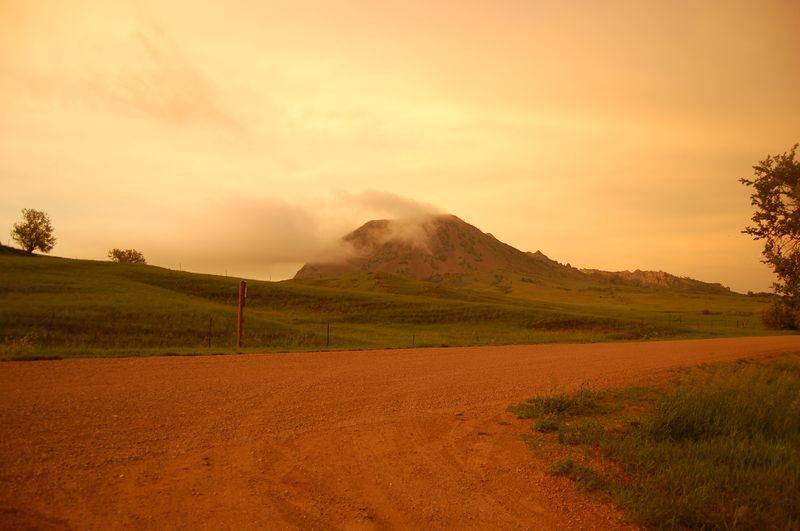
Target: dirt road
371 439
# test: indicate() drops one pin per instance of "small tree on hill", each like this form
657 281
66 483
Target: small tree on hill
126 256
34 232
776 197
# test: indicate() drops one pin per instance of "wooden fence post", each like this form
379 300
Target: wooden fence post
240 321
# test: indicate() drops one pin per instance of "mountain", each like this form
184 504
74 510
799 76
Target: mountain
439 247
430 248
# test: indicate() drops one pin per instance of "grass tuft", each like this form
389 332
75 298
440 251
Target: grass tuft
588 432
547 425
583 402
586 478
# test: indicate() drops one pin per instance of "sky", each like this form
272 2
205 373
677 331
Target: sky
242 137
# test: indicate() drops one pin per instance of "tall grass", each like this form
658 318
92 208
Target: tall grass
719 450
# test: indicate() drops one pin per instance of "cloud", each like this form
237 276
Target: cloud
165 84
131 64
245 231
386 204
254 234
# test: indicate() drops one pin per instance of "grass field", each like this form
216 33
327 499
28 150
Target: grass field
65 307
719 449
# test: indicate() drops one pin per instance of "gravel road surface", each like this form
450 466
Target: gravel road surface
416 438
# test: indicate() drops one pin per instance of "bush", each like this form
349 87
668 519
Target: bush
781 315
126 256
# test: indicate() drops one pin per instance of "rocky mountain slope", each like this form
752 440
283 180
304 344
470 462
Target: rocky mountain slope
658 279
430 248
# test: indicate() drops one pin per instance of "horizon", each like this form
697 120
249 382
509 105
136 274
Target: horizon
246 137
581 268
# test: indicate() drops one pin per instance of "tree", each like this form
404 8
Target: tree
776 198
35 231
126 256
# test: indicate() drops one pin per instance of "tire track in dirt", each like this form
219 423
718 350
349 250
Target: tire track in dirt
350 440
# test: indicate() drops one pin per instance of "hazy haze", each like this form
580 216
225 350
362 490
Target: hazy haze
244 136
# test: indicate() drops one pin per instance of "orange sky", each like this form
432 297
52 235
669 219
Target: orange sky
241 136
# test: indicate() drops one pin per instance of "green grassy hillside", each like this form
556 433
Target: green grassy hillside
63 307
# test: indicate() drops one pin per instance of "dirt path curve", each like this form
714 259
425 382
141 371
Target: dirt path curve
371 439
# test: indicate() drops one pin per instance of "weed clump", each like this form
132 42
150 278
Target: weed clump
583 402
586 432
16 347
547 425
585 477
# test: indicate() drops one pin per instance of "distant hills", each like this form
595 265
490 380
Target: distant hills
657 279
444 247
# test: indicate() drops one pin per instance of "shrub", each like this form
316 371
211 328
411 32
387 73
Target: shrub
781 315
126 256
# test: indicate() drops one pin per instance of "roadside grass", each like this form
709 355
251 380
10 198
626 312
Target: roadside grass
586 477
719 448
547 425
57 307
583 402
